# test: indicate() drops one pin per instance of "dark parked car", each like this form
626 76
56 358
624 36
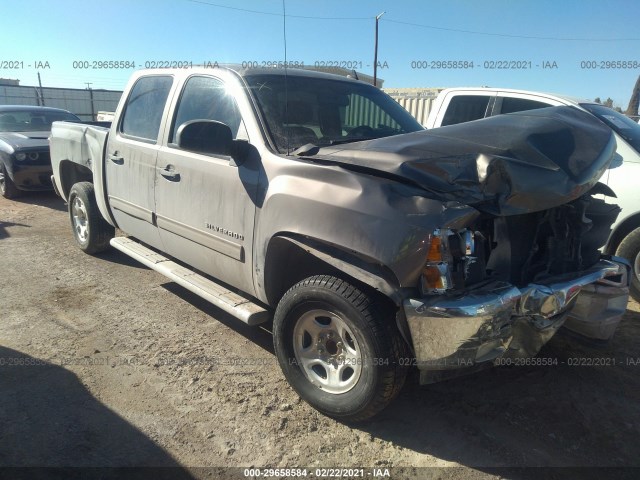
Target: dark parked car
24 148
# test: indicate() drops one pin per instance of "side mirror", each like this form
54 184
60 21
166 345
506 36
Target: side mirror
205 136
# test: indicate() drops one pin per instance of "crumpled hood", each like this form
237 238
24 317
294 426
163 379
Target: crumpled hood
18 140
503 165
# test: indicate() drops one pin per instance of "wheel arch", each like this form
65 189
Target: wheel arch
72 173
625 227
305 257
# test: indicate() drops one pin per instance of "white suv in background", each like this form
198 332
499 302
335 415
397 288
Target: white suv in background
458 105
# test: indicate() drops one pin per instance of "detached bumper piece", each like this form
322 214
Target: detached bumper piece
498 320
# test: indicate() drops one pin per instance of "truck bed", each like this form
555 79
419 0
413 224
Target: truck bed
83 145
77 142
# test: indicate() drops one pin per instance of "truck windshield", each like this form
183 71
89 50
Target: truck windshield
619 123
323 111
32 120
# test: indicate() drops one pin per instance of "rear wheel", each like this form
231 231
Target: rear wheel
91 231
629 248
339 348
8 189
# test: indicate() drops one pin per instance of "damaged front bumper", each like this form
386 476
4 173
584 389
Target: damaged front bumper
499 320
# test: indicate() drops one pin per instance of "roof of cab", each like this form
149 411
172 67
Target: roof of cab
245 72
561 98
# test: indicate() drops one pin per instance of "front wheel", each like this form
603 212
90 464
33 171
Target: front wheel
629 248
339 348
91 231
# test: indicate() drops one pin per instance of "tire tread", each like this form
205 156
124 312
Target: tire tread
384 332
629 248
100 232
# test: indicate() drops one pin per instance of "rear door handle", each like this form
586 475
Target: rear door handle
116 159
169 173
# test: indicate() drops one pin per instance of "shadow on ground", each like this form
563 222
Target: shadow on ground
260 335
43 199
116 256
4 225
49 419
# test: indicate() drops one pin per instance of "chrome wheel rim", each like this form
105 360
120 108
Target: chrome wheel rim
327 351
80 221
3 185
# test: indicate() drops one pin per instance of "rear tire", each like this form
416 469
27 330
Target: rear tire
8 189
339 348
91 232
629 248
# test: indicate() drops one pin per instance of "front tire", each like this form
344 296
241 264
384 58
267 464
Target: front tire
629 248
8 189
91 232
339 348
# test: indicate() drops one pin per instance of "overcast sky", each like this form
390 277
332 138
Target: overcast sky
414 36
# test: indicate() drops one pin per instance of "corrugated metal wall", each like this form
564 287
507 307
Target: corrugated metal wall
417 101
77 101
419 107
362 111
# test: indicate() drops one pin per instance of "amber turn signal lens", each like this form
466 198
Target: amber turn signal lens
435 250
432 277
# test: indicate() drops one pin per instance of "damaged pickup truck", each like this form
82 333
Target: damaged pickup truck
374 245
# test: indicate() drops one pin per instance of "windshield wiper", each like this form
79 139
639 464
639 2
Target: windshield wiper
350 140
309 149
313 149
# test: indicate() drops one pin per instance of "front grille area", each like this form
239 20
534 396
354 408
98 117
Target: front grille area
565 239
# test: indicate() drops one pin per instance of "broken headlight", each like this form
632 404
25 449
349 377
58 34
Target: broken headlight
451 262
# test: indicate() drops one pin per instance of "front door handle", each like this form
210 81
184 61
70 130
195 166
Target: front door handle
116 159
170 174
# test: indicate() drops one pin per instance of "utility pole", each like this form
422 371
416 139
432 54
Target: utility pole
93 111
41 94
375 54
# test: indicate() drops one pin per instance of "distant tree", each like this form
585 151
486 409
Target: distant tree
608 103
634 102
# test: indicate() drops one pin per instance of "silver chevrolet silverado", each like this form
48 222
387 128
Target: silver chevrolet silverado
374 245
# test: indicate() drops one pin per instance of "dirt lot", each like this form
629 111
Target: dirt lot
106 363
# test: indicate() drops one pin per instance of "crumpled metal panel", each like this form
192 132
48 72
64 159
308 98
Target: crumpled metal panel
504 165
599 308
500 320
549 300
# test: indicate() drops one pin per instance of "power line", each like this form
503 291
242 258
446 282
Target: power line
432 27
273 14
514 36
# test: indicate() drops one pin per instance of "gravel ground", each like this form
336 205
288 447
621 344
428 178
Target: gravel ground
106 363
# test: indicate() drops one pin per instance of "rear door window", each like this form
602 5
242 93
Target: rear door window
465 108
144 108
